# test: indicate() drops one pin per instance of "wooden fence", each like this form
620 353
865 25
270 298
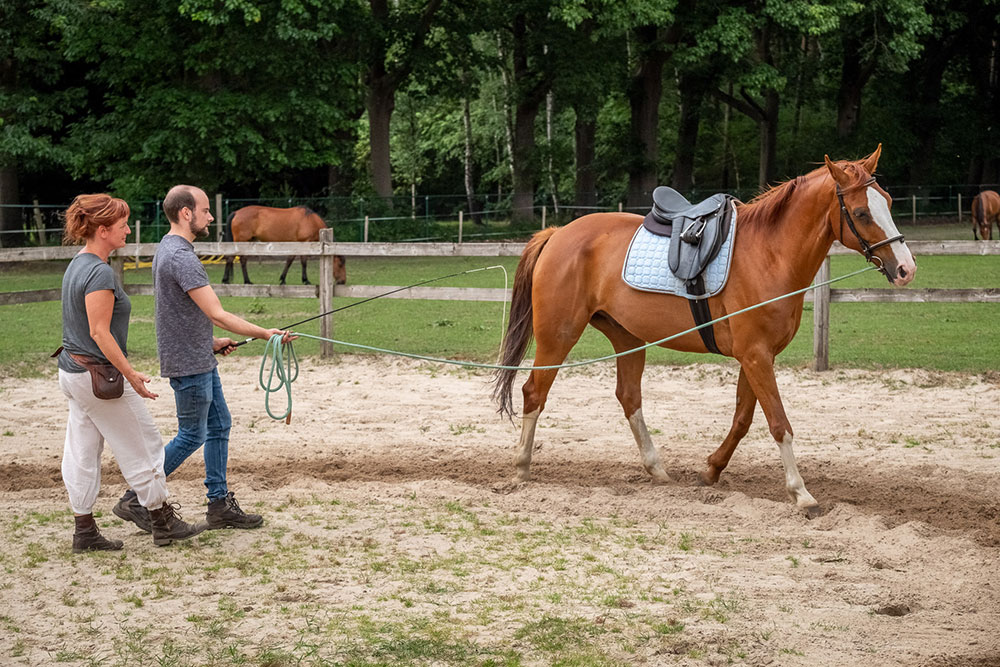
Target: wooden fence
325 291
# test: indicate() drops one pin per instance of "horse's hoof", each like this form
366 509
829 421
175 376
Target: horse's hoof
814 511
660 478
305 282
704 479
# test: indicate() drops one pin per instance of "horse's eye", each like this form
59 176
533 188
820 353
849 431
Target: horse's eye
860 213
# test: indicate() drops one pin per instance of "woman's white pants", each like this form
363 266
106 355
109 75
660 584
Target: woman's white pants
127 426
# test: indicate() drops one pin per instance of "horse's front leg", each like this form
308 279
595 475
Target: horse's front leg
746 401
760 372
288 263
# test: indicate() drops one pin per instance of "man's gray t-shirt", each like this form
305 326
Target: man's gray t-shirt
88 273
183 332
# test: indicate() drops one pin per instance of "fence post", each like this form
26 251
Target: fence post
218 216
39 224
913 216
138 240
460 218
326 286
366 229
118 267
959 208
619 207
821 319
543 216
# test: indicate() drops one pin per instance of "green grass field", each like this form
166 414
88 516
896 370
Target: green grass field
960 337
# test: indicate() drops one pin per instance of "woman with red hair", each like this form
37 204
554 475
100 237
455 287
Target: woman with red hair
95 318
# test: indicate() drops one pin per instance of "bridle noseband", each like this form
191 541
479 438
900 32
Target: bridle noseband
866 247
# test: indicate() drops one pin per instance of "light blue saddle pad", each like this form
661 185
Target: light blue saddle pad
646 267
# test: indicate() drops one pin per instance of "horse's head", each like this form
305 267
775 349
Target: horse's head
339 270
860 218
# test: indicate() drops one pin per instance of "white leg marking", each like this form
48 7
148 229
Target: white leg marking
523 461
650 459
793 480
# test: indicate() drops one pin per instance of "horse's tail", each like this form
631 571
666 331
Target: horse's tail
520 329
227 232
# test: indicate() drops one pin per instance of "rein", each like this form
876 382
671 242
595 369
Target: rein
866 247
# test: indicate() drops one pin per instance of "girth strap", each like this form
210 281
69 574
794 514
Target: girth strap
702 314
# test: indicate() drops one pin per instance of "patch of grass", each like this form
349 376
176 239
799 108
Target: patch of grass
862 335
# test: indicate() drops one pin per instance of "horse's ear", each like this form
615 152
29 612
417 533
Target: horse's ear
839 175
871 161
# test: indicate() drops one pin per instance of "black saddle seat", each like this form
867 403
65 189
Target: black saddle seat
696 231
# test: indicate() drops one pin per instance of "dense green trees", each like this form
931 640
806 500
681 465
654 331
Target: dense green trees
568 101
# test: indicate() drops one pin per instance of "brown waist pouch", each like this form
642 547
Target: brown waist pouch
106 380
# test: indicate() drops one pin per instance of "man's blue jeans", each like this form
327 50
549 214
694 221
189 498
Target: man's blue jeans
202 418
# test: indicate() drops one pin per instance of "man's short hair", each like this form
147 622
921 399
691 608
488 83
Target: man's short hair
179 196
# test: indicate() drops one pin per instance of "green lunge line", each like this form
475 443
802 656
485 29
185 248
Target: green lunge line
274 349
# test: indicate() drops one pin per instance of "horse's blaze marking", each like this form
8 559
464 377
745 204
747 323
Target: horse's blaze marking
883 218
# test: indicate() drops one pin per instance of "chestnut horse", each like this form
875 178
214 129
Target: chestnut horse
571 276
263 223
985 211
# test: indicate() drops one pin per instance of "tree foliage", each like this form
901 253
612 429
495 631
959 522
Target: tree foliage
571 100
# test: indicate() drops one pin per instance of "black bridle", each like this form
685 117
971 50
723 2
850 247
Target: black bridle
867 248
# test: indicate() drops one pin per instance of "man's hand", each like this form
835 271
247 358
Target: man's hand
223 346
286 336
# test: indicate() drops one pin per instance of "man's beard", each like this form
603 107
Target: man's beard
198 233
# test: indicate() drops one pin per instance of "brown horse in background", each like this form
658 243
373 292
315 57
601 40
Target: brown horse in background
571 276
267 224
985 212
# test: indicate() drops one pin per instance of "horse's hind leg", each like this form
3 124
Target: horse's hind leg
227 275
746 401
288 263
552 344
305 278
629 392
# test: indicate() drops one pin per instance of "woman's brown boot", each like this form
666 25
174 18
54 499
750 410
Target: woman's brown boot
88 538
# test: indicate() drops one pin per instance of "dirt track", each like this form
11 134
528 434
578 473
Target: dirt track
900 570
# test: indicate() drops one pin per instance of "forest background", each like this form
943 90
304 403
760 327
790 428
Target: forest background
574 102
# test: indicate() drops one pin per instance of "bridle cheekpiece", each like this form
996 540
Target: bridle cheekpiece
867 248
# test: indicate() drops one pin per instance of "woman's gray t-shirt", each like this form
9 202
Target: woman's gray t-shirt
88 273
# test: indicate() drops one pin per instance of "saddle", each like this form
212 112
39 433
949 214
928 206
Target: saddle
697 232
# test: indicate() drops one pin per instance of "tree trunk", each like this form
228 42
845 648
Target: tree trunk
10 218
853 77
529 99
644 92
768 139
524 149
586 177
380 102
692 92
470 192
925 80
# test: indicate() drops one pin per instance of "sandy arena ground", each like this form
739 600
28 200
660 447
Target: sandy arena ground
902 568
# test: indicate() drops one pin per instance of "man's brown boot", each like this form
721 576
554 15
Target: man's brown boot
168 526
87 537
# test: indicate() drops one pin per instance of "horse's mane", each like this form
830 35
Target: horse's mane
765 209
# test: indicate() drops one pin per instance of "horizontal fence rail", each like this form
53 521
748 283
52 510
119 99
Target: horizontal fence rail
325 291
